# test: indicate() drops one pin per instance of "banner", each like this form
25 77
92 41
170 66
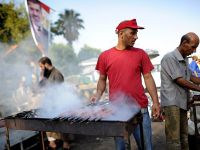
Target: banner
38 14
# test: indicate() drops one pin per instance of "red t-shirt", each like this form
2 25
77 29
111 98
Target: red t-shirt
124 69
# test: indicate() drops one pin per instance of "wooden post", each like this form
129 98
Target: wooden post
42 140
7 139
127 141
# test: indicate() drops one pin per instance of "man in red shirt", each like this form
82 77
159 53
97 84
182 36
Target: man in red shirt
123 65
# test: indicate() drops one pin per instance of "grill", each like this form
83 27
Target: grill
74 123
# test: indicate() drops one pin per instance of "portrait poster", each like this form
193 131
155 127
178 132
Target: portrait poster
38 14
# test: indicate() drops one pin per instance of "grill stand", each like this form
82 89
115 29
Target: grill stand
127 134
127 141
42 139
7 139
123 129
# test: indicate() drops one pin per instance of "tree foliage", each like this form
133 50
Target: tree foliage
68 25
87 52
14 25
64 59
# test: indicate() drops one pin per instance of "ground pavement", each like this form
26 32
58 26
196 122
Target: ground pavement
100 143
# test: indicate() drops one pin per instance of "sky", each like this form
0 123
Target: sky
165 21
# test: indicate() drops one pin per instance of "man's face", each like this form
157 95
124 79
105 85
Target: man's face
190 47
44 70
129 36
42 66
35 12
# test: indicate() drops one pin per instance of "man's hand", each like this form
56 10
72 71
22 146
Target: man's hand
95 98
101 86
155 110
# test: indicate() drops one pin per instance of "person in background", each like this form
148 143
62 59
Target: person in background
176 81
49 77
198 62
123 65
194 66
49 73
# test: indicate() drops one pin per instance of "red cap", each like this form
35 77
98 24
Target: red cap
128 24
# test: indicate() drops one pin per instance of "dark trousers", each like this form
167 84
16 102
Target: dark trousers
176 128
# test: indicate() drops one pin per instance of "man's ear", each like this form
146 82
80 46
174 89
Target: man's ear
46 65
120 34
185 42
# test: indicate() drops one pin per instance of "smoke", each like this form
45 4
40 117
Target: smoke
19 90
57 99
124 107
18 75
63 101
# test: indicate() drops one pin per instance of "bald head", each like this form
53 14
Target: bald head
189 36
189 43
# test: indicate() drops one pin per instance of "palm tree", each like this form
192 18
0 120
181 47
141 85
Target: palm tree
68 25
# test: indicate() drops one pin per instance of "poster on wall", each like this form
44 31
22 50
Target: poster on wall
38 14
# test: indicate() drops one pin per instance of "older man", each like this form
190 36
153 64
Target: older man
176 81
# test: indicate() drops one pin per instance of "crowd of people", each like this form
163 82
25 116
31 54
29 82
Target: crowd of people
123 66
176 82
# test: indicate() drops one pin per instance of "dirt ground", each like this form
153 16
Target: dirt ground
100 143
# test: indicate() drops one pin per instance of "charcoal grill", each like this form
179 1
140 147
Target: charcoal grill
106 128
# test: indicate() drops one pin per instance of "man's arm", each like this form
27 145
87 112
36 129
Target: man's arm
101 86
59 78
186 84
151 88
